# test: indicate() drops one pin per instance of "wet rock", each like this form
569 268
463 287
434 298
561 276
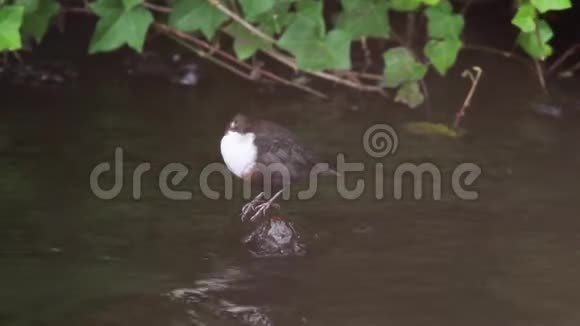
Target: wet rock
173 69
275 237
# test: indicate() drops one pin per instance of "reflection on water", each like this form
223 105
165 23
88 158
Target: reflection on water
68 258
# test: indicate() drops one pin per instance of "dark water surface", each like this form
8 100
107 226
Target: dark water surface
511 257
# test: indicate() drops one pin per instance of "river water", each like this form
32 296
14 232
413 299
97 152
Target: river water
511 257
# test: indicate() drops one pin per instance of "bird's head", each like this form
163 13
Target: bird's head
240 124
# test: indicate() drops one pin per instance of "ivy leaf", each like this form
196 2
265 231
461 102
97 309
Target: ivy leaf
254 8
245 43
537 48
442 22
405 5
37 15
546 5
303 28
10 21
442 53
401 66
312 10
410 94
313 52
525 18
194 15
337 47
278 18
364 18
118 26
131 3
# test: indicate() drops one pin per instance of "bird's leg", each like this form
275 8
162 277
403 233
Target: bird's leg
263 208
251 206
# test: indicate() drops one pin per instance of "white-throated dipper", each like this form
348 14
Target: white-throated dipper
256 149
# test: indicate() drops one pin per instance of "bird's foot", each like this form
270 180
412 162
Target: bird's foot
262 209
251 206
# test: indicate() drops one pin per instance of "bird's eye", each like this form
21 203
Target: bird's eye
233 125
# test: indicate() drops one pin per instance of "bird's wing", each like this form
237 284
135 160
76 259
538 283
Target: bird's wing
274 148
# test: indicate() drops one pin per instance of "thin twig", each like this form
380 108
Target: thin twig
540 74
425 90
282 58
157 8
505 54
251 75
17 56
292 64
241 21
78 10
562 58
367 53
273 54
574 68
570 71
467 102
410 29
537 65
199 42
534 66
208 56
365 75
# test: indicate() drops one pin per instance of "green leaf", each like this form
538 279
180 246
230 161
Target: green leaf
401 66
537 47
10 21
364 18
131 3
546 5
117 26
245 43
525 18
37 16
337 47
195 15
410 94
314 52
312 10
442 22
442 53
278 18
431 2
254 8
405 5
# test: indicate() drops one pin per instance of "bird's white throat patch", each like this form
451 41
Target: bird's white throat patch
239 152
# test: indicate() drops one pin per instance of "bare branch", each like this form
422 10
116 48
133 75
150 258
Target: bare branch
157 8
540 73
467 102
251 75
562 58
284 59
241 21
